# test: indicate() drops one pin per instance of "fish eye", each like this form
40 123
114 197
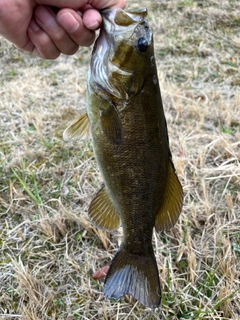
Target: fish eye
142 44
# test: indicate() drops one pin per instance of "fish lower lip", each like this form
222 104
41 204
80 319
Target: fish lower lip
108 18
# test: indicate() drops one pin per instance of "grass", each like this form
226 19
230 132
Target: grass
48 248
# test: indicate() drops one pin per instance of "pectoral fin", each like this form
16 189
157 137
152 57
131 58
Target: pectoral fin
79 129
102 212
172 203
112 125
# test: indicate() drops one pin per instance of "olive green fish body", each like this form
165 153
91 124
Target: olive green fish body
135 174
141 190
135 171
131 146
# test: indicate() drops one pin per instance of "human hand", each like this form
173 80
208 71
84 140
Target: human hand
47 28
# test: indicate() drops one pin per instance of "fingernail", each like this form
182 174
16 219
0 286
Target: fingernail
68 22
94 25
33 26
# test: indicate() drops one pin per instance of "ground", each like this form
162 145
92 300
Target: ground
49 249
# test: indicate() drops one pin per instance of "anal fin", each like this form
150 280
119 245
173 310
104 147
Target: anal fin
102 212
172 202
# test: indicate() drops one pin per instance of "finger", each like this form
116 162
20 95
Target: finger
72 22
43 46
76 4
28 46
104 4
15 17
46 19
92 19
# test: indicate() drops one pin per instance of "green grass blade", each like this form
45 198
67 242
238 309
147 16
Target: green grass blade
37 198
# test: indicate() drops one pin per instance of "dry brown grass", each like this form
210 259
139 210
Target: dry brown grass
49 250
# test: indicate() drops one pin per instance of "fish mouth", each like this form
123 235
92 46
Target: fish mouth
117 24
102 66
116 19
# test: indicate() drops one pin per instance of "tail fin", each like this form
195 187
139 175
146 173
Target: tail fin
134 275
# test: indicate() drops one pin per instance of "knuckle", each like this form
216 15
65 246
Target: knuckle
44 42
59 36
44 46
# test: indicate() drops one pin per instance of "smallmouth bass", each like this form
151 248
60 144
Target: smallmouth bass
130 140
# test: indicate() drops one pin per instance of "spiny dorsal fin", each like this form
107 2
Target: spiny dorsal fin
79 129
172 203
102 212
112 125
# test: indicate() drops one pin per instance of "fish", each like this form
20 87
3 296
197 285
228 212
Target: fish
125 116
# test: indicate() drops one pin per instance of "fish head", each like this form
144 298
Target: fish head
123 54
